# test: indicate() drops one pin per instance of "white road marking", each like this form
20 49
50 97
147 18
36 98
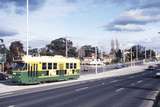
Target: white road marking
132 77
139 81
80 89
114 81
11 106
120 89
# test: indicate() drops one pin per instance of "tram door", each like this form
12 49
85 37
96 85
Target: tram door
61 71
32 70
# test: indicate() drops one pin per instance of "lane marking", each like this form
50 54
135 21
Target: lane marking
131 77
114 81
139 81
81 89
120 89
11 106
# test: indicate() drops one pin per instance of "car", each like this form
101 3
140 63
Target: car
118 66
3 76
157 74
151 67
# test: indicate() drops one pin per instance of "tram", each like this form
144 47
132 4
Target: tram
33 70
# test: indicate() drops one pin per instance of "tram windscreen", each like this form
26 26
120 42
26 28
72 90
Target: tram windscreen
20 66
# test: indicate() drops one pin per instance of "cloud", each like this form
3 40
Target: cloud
133 20
20 5
136 17
7 32
128 27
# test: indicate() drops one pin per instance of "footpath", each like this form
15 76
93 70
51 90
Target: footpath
8 88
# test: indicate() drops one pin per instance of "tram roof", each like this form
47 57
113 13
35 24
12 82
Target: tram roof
55 58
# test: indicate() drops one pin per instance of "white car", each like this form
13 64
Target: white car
158 74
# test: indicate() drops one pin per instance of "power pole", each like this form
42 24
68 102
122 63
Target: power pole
145 55
66 47
137 53
96 59
131 56
124 57
27 9
150 54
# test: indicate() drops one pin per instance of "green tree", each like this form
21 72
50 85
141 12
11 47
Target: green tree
118 55
58 47
88 50
16 50
33 51
141 53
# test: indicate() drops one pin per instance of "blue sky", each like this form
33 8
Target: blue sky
93 22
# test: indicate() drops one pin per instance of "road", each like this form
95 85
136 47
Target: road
136 90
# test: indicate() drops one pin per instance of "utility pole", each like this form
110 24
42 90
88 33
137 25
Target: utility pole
150 55
124 57
27 9
96 59
137 53
66 47
145 55
131 56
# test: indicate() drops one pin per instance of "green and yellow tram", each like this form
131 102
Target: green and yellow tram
32 70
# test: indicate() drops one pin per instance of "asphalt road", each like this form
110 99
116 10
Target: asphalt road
136 90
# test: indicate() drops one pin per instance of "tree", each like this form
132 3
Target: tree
150 54
33 52
140 51
16 50
118 55
88 50
58 47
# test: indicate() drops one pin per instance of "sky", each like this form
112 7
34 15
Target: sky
92 22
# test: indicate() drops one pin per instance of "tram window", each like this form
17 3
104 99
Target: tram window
54 65
44 65
49 65
67 65
19 66
71 65
75 65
